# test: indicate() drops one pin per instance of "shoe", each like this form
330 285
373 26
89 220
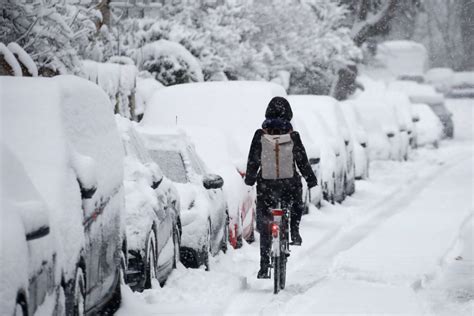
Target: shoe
263 273
296 240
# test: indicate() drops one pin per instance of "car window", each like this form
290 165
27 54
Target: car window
171 163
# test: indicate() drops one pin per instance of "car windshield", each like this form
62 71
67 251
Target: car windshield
171 163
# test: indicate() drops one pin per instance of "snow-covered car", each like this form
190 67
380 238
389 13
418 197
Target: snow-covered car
430 128
204 211
379 118
234 109
152 220
400 59
359 139
423 93
402 107
328 109
320 143
322 153
240 198
28 257
62 130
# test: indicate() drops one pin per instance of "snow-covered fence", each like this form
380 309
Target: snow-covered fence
118 81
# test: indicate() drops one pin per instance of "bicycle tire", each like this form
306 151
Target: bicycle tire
276 274
283 261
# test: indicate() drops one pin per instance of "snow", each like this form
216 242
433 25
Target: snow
146 87
24 58
416 239
117 80
22 210
140 199
463 79
402 57
11 60
440 78
358 136
463 117
378 118
429 127
418 93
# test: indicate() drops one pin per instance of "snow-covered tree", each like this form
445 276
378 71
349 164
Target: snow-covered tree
50 31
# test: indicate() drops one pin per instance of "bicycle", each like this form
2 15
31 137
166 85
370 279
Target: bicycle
280 249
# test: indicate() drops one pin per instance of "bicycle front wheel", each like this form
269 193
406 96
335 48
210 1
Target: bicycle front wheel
276 274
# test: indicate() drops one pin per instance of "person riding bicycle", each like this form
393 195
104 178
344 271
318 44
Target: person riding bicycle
277 147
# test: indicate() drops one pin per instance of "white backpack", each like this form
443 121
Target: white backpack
277 157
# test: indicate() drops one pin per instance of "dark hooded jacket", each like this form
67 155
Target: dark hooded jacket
277 121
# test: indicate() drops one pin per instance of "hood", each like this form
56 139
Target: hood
279 108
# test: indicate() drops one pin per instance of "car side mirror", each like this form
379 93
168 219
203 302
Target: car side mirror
156 183
156 174
86 174
35 219
314 161
86 192
212 181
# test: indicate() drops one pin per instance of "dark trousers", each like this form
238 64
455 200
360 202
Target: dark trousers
289 194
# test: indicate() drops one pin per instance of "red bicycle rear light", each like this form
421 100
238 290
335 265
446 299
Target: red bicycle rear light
275 230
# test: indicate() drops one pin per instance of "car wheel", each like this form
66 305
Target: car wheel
150 260
176 246
207 248
20 308
225 236
75 293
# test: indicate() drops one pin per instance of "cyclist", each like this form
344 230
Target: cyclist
284 153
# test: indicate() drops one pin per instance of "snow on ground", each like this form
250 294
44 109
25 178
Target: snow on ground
390 248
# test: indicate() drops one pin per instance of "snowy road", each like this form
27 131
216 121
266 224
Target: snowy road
401 244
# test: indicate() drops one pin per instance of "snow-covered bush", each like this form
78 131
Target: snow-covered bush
169 62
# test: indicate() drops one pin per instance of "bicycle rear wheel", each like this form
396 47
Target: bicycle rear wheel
283 260
276 274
